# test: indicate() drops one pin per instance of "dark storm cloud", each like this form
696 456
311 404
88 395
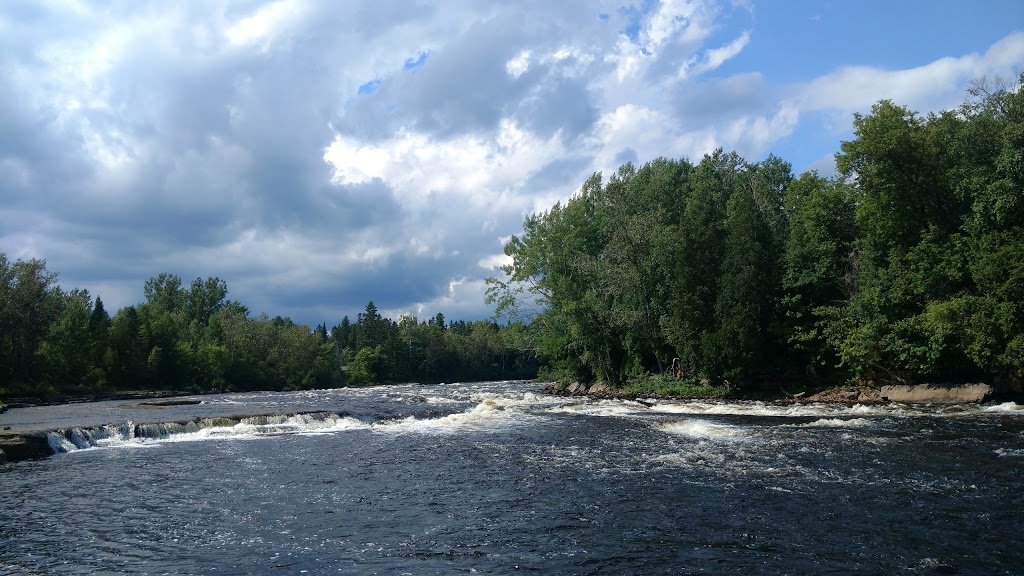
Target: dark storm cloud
462 87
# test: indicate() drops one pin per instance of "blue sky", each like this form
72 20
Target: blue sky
316 155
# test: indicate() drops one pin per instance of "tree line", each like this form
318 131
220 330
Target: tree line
58 344
909 265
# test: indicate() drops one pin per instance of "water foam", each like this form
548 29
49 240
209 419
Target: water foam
491 414
1005 407
753 409
608 408
703 430
837 423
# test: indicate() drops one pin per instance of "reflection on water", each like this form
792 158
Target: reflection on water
498 478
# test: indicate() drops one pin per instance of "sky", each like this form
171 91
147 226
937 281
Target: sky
318 155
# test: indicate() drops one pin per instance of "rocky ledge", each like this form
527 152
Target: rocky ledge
24 446
906 394
937 393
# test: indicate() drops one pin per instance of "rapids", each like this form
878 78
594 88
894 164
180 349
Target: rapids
500 478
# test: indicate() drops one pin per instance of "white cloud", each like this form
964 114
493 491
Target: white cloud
517 66
629 126
458 302
477 172
933 86
674 19
494 261
712 59
756 134
627 59
265 24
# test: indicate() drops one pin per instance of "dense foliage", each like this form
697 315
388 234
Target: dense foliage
56 344
909 265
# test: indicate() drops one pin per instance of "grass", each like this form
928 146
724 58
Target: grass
665 385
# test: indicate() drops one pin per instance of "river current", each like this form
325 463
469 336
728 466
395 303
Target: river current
499 478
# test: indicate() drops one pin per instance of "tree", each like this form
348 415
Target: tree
641 206
65 352
129 347
744 308
204 298
372 327
937 203
342 334
696 269
164 293
30 301
818 268
367 367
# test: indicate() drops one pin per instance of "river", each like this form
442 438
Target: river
499 478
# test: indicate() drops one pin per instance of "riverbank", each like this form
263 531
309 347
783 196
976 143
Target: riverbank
907 394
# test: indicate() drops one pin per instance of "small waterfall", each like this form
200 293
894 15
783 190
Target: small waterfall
68 440
59 442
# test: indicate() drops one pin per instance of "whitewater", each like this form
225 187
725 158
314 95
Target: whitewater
499 478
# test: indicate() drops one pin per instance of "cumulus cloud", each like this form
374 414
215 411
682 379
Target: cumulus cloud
318 155
931 86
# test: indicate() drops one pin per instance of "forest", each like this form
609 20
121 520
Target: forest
57 344
907 266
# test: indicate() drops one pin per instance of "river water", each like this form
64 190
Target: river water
499 478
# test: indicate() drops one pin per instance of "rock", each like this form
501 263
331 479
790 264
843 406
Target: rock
24 446
847 395
869 396
937 393
577 388
599 388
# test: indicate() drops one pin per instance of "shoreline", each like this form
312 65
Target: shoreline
970 393
30 402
